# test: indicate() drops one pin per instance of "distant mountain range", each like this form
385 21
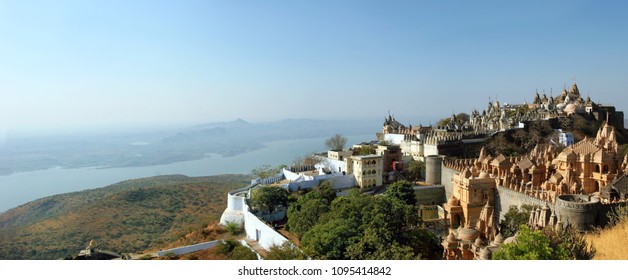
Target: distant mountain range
163 147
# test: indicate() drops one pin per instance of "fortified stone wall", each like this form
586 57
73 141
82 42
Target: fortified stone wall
506 197
446 174
430 195
581 216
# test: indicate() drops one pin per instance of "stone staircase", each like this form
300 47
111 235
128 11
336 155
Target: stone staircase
256 247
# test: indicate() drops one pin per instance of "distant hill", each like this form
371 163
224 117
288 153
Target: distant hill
128 216
164 147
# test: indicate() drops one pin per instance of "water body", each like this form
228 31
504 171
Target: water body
19 188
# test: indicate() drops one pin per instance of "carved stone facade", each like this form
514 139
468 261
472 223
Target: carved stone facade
568 183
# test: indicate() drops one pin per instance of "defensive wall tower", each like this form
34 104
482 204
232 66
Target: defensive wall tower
433 165
580 211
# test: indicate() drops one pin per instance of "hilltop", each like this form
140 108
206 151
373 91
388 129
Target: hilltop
129 216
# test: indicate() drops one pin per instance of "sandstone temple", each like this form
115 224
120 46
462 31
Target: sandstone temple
575 186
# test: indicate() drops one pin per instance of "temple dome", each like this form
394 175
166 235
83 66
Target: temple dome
499 239
485 254
570 109
451 238
478 242
468 234
453 201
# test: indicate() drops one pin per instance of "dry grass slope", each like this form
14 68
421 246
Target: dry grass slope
610 243
130 216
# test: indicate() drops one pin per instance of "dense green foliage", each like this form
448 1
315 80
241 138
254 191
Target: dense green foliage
304 213
326 190
415 169
360 227
546 244
572 241
286 251
513 219
233 250
364 150
267 199
130 216
443 122
530 245
460 120
403 191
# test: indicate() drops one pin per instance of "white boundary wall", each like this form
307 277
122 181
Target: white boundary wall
259 231
189 249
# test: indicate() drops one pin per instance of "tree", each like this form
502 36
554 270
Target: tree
572 241
326 190
530 245
362 227
547 244
443 122
285 251
328 241
617 214
514 218
403 191
364 150
304 213
233 250
268 198
415 169
336 142
266 171
309 159
462 118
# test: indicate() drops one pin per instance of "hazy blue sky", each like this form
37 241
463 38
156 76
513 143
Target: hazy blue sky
102 63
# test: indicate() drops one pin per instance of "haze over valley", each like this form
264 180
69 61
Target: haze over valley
163 146
34 167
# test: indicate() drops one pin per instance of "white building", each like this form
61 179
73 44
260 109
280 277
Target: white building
566 138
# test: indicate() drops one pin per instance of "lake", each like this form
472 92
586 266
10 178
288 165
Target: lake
20 188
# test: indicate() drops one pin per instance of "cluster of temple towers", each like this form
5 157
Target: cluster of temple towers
565 186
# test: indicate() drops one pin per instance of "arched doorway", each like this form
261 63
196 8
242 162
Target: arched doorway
455 220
